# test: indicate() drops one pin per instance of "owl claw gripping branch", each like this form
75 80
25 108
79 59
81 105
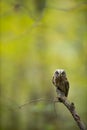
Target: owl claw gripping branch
61 83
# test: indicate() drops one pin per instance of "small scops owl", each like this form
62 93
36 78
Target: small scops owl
61 83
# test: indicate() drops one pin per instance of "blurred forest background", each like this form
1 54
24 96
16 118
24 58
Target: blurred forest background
38 36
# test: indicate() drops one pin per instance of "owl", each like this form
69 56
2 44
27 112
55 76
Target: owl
61 83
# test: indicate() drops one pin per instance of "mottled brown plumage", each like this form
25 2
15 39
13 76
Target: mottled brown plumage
61 83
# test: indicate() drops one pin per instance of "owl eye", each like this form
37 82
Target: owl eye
57 72
63 73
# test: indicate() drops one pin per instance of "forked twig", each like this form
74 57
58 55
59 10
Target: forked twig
67 104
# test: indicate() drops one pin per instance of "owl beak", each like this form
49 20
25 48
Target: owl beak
59 75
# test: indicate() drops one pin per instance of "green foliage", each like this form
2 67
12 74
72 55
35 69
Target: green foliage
38 36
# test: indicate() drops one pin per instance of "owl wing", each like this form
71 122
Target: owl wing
67 88
53 80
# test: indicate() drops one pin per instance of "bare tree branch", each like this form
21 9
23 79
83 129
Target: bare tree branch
36 100
67 104
71 108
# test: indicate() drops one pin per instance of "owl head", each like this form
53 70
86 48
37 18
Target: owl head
58 75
